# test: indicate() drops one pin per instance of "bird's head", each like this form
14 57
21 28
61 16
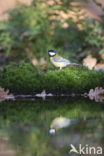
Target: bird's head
51 53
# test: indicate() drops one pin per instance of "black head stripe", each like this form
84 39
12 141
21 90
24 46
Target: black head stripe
51 51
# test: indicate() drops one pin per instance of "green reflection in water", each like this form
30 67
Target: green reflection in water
26 125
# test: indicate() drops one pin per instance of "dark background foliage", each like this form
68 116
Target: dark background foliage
32 30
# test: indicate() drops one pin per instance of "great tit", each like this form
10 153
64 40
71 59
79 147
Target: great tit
59 61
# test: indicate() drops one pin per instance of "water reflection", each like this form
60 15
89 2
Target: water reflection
60 122
24 126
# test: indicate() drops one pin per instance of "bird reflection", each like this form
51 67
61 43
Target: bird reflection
58 123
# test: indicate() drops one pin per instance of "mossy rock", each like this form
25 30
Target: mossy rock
25 79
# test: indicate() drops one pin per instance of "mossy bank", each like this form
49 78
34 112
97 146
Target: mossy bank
26 79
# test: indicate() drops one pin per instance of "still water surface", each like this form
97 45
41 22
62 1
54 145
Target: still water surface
25 126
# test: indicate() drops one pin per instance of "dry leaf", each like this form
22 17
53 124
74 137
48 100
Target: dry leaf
42 61
89 61
4 95
99 67
96 94
43 95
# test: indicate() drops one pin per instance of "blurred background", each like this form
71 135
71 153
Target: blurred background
29 28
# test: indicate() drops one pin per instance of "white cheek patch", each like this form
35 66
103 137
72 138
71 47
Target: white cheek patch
51 53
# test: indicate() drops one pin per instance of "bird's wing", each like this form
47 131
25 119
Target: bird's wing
60 59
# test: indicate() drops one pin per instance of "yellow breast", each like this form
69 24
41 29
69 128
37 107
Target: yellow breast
57 64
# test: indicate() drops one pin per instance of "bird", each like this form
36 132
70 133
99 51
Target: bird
59 61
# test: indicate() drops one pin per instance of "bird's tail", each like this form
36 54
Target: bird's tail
75 64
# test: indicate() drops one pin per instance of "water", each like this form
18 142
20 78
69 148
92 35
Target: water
25 126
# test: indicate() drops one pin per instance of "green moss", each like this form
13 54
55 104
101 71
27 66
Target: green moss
25 79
